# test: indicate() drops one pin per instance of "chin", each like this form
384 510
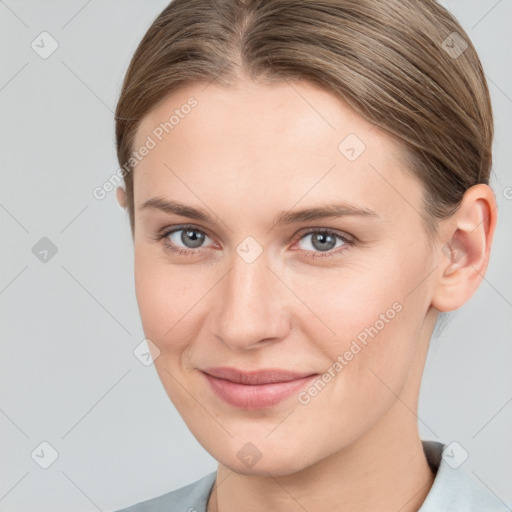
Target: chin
251 461
264 468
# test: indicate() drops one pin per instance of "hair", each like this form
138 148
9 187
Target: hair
406 66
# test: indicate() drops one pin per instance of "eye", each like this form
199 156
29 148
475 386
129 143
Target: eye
324 241
189 240
184 240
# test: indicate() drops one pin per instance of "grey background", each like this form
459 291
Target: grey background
69 325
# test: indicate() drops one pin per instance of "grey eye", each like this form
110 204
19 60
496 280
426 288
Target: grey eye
322 241
190 238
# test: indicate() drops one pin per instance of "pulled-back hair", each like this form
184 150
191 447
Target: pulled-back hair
404 65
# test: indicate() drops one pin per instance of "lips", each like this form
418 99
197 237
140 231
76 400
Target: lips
255 389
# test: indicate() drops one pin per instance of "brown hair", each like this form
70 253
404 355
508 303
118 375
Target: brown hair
404 65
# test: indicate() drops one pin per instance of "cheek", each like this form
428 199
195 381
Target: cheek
165 300
368 359
367 324
372 338
364 295
169 298
156 292
340 305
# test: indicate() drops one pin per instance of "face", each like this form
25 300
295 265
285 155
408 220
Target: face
339 298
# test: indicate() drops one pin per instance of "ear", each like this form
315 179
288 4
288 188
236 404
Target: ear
466 239
121 197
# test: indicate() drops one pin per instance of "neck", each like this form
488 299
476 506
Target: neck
384 470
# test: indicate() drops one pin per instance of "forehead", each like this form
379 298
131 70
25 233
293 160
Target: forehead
281 114
288 139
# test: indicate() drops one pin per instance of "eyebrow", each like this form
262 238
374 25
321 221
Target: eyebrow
286 217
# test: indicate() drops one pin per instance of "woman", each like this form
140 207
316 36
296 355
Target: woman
307 188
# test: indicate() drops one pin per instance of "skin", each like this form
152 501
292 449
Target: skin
245 154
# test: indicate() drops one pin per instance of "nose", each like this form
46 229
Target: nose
251 308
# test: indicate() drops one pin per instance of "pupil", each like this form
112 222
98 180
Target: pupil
195 236
321 239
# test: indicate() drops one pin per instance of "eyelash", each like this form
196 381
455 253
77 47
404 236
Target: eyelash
347 240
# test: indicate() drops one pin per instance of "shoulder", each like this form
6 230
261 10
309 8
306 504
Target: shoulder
453 489
192 497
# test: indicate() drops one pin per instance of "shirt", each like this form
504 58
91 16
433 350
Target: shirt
453 490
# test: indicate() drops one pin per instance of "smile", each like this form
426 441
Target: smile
255 390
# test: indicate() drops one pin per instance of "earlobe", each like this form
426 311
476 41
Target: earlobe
121 197
464 255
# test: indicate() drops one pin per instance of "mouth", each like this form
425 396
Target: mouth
256 389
